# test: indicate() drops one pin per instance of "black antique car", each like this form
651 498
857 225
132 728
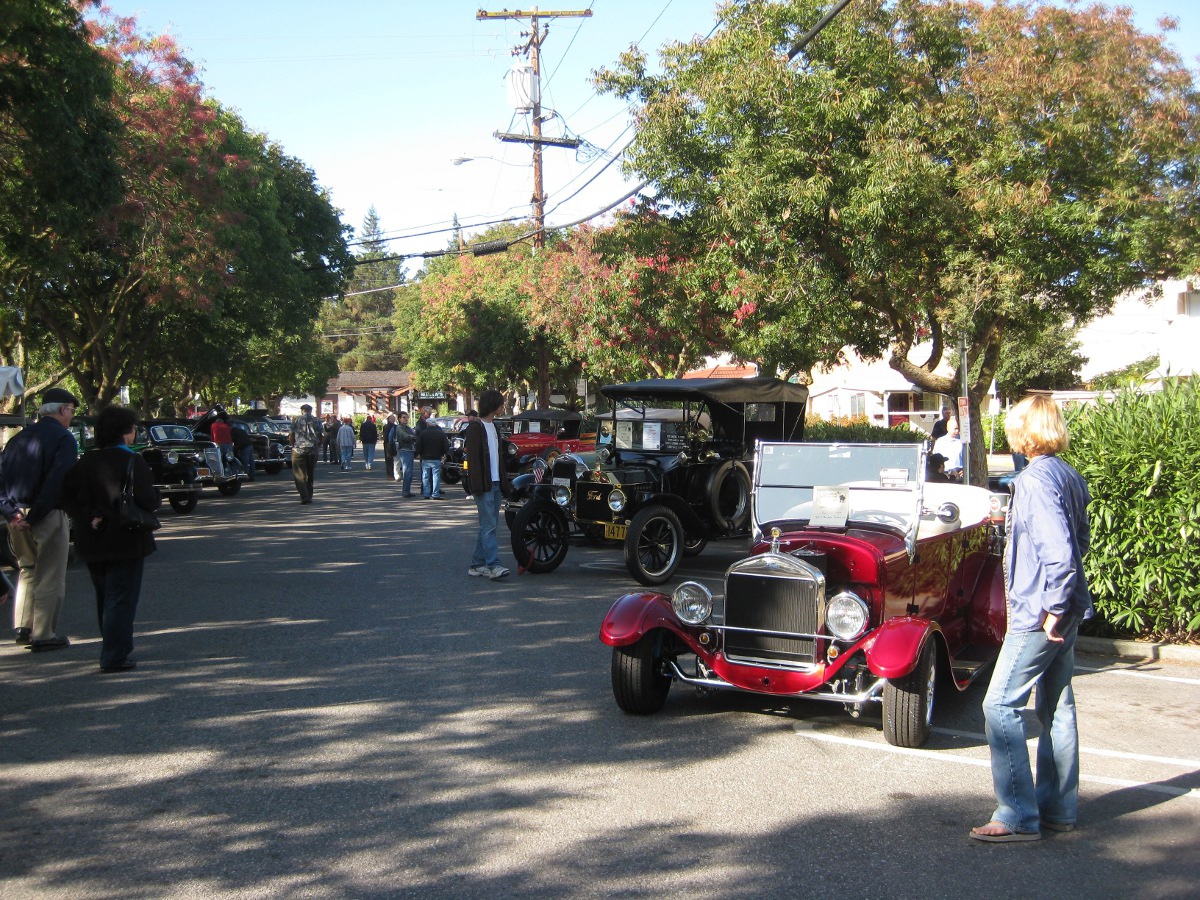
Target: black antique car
183 465
673 473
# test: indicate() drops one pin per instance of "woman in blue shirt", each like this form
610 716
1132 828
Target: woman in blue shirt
1047 598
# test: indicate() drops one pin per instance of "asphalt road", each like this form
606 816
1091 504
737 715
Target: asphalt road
327 706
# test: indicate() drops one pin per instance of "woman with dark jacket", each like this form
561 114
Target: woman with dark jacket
114 555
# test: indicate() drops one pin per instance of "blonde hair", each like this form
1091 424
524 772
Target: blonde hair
1036 427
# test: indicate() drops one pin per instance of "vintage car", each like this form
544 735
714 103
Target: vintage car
183 465
544 434
675 475
271 449
452 462
863 581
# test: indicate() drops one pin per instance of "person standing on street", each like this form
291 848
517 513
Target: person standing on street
1048 598
406 446
243 447
329 439
389 448
306 434
222 435
31 475
368 433
345 443
432 445
950 446
115 556
486 480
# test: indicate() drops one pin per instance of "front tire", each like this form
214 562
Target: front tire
230 488
638 682
273 468
451 476
693 546
653 545
908 701
539 537
183 504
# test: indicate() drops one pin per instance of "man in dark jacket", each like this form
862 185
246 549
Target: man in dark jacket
486 480
368 433
389 448
31 475
432 445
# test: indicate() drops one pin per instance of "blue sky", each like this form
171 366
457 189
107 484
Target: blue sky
379 96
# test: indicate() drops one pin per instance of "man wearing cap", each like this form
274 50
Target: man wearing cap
306 438
31 475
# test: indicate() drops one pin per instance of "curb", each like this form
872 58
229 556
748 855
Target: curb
1149 650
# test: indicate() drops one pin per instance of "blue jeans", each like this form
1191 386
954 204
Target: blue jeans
347 455
431 478
487 552
369 454
246 457
1028 659
406 468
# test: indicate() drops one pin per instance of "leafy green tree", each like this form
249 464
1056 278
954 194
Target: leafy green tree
358 326
922 171
1044 358
57 175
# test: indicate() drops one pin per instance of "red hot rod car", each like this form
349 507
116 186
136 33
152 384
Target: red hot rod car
862 582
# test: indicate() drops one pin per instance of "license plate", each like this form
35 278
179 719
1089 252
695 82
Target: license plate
616 532
203 473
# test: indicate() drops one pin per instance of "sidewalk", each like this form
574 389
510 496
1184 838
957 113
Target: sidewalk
1148 650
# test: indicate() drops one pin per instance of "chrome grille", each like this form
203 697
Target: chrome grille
780 603
212 458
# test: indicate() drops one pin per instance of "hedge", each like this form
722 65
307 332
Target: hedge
858 430
1140 455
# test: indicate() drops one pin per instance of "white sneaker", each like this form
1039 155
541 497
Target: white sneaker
479 572
496 572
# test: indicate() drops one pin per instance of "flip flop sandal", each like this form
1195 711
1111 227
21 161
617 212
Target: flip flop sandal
1006 837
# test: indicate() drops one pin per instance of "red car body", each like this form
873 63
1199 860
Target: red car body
928 589
545 434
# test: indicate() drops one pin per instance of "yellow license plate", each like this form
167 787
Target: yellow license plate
616 532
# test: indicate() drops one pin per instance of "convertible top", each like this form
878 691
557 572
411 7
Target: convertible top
721 390
552 415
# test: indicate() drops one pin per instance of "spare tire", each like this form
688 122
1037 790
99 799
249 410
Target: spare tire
728 493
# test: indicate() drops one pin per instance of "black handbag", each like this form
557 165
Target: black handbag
130 516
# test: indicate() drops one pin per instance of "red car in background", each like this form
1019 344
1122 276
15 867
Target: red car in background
544 434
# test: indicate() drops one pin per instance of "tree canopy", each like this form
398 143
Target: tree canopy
922 171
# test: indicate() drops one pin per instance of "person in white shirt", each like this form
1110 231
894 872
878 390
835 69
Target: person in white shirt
486 480
951 447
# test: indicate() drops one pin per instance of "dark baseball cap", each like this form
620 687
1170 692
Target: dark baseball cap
58 395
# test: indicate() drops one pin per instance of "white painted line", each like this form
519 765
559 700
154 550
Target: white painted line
942 757
1094 751
1133 673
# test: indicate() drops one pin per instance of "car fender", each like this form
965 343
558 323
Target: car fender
635 614
895 647
526 487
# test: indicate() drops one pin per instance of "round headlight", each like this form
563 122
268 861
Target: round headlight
512 449
616 500
172 457
692 602
562 495
847 616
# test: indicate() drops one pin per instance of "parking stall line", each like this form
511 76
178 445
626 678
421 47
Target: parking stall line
1134 673
942 757
1094 751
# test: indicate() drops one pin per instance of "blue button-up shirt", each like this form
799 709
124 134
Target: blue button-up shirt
1048 534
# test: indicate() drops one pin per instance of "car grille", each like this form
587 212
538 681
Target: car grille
212 458
591 501
775 603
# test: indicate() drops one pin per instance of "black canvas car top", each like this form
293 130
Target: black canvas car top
721 390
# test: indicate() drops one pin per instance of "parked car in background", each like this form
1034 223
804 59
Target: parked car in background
675 475
864 582
544 434
178 461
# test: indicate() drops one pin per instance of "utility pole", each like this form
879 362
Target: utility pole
532 49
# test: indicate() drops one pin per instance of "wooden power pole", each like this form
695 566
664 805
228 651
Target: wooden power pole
532 49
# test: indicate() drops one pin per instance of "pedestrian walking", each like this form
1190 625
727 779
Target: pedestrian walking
31 474
406 446
486 479
345 443
1048 599
115 555
329 439
368 433
306 434
432 445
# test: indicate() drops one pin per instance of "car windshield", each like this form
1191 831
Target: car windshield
831 485
171 433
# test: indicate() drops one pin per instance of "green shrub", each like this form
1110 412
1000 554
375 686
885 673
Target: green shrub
993 433
1140 455
859 431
